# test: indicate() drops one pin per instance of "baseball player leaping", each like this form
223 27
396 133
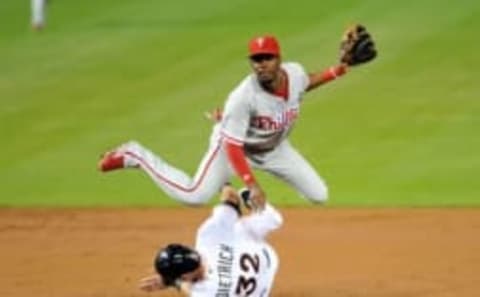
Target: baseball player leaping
253 128
231 256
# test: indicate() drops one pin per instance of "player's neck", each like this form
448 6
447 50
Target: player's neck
276 84
281 89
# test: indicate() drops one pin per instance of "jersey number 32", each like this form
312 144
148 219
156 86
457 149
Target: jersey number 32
250 265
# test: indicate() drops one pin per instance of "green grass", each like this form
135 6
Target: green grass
403 131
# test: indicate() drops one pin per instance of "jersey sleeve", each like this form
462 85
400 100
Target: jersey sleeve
301 77
218 227
236 117
260 224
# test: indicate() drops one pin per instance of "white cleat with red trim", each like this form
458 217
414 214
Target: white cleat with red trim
116 159
111 161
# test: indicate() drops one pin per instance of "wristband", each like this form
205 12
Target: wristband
333 72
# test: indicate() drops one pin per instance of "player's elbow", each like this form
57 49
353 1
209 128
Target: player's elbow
278 220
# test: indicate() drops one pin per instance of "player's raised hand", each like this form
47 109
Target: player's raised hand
257 197
230 194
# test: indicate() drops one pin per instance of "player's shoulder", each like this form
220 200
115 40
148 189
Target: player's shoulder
210 233
293 68
245 89
205 238
206 232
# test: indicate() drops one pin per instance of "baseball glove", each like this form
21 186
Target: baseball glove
357 46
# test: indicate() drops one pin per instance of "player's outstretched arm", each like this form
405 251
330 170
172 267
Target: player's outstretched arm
319 78
356 47
260 223
236 156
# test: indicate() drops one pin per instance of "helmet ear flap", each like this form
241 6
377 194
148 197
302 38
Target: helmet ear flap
174 260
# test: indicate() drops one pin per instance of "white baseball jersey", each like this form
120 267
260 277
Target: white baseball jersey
261 120
239 260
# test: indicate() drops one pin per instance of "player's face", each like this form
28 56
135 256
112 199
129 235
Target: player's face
266 67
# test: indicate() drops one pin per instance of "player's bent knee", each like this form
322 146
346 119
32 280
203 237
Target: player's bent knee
195 203
199 198
320 196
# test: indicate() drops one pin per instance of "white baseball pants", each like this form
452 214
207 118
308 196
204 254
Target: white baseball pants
38 12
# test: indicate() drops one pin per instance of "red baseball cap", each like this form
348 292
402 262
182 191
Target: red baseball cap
266 44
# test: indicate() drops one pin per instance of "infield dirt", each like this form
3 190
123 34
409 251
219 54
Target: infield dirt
323 252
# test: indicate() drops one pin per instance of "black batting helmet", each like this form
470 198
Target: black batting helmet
175 260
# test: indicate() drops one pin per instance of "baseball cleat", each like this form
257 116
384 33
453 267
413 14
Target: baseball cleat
111 161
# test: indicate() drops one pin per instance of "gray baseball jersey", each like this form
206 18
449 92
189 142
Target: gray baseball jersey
239 260
260 120
254 118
